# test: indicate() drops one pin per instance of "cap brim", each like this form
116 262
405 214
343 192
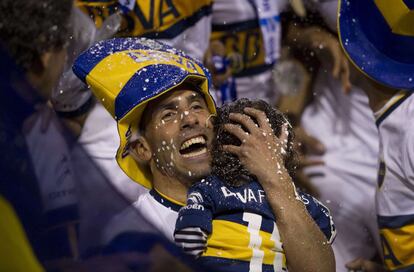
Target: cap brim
373 47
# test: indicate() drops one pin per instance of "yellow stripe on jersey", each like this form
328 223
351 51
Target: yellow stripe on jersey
16 253
398 247
231 241
149 16
247 42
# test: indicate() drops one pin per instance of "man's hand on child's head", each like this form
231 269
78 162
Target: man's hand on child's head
260 152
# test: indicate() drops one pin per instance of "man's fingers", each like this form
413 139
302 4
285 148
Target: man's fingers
236 131
284 135
260 117
337 63
308 144
356 264
244 120
364 265
232 149
341 70
313 146
305 162
345 76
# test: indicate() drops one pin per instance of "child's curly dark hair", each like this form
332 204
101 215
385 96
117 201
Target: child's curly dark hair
226 165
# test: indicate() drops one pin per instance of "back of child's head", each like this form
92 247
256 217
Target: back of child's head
227 166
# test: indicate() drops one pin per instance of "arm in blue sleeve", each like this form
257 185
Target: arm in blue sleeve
198 211
320 214
194 221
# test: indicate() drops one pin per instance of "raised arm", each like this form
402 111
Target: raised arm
262 153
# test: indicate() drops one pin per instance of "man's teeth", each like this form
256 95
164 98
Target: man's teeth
195 153
196 140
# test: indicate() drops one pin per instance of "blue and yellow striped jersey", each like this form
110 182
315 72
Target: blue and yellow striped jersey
241 227
156 19
239 27
395 191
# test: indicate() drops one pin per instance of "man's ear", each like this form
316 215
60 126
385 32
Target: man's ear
42 62
39 65
142 149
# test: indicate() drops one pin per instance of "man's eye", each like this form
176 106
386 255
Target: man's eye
196 107
168 116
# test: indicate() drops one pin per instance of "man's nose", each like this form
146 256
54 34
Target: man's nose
189 120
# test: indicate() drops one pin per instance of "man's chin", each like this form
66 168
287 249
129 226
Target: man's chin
192 176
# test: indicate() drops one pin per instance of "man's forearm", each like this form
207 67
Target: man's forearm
305 245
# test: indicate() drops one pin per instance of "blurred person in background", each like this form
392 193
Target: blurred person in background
145 68
160 99
39 189
181 23
251 32
338 116
33 36
387 61
251 29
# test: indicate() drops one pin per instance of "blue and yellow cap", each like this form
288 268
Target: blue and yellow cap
125 74
378 37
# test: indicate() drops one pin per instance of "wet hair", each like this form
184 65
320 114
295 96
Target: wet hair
29 28
227 166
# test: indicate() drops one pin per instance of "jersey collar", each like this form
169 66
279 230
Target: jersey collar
390 106
166 201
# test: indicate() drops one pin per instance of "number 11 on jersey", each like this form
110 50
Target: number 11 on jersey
254 223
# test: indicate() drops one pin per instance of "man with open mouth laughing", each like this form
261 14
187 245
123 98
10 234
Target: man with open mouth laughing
175 140
161 102
160 99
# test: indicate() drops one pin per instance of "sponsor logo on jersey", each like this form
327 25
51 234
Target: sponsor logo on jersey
195 197
248 195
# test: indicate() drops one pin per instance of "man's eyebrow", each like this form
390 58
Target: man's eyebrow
169 105
194 97
175 102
